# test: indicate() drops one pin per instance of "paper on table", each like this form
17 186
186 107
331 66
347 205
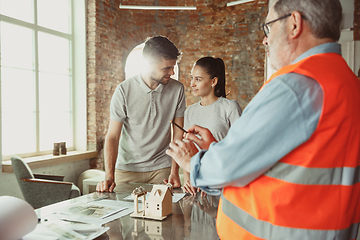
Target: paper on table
17 218
123 208
99 209
41 233
62 230
175 198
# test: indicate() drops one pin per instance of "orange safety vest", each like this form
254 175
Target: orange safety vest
313 192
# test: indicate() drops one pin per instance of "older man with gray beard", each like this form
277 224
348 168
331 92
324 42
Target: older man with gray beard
289 166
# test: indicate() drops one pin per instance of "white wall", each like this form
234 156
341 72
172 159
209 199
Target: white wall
357 58
348 13
9 185
350 49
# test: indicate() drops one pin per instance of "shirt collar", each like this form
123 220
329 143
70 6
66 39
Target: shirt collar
145 87
330 47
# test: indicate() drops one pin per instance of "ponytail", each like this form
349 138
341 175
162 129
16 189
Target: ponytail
215 67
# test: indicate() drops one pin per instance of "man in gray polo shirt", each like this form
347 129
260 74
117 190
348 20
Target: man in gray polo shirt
140 112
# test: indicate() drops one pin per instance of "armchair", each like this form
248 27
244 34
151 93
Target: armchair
40 190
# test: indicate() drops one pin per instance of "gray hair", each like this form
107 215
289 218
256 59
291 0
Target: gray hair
323 16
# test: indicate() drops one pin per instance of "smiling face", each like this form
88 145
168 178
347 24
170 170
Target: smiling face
201 82
161 70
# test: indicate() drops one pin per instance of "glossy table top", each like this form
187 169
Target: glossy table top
193 217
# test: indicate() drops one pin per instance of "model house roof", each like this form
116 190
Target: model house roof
158 193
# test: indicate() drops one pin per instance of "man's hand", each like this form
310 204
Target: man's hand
174 179
182 152
206 138
189 200
188 188
106 186
208 207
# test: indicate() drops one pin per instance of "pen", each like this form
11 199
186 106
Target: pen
178 126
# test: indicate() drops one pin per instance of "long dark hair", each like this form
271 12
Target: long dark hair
215 67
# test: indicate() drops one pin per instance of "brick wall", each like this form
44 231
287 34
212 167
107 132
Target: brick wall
356 28
232 33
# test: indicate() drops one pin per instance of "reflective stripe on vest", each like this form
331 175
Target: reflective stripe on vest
346 176
268 231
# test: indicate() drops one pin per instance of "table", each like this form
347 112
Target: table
193 217
91 182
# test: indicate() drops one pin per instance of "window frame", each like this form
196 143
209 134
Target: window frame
77 38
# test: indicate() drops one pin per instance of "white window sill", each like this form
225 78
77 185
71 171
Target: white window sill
49 160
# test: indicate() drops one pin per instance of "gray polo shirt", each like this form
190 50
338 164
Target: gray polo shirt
217 117
146 115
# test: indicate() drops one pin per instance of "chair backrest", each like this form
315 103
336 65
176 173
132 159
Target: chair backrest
20 168
38 192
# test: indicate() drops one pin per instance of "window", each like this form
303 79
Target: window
37 81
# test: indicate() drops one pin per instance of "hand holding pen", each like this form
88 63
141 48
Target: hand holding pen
206 138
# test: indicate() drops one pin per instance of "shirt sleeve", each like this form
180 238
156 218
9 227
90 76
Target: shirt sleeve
283 115
118 105
186 119
181 106
235 113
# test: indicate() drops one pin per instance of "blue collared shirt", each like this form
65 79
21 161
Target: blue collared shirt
283 115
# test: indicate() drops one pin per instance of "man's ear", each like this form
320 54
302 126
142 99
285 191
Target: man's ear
296 27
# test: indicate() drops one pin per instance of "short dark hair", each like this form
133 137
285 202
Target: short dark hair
160 46
323 16
215 67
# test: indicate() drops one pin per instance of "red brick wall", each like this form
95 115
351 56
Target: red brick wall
232 33
356 20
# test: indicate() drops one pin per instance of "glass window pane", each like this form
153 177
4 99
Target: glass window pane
17 90
54 93
18 111
18 133
55 110
54 14
16 46
19 9
55 127
54 53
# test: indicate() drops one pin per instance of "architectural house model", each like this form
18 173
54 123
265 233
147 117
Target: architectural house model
158 205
